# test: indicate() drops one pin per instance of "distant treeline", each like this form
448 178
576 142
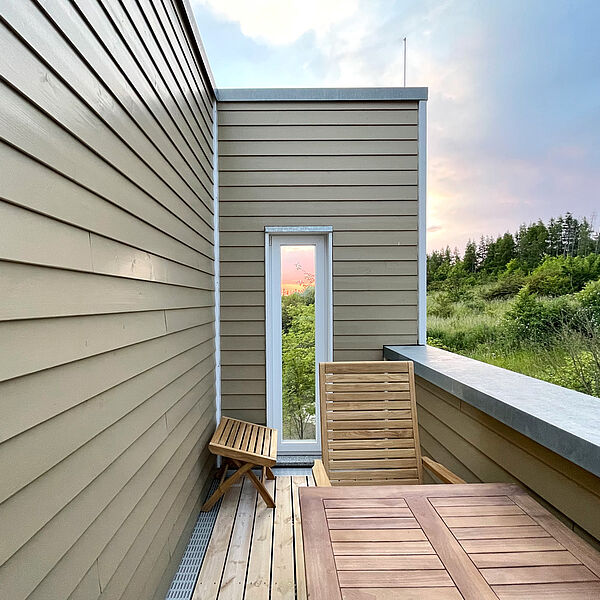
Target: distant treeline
561 241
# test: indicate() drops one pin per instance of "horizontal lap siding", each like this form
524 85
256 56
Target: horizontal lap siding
479 448
107 313
349 165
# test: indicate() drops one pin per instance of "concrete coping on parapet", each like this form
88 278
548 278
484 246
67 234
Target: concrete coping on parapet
321 94
563 420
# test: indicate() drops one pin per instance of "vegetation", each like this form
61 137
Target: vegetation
529 302
298 364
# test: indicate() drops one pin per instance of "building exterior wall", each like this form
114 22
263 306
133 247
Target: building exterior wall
107 314
352 165
479 448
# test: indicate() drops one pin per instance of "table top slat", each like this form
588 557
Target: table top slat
441 542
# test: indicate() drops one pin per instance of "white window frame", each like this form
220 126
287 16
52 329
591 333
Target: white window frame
323 318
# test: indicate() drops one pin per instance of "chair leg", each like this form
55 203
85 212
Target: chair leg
262 490
223 487
270 474
222 470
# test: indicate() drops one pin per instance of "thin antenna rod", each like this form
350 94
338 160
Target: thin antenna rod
404 40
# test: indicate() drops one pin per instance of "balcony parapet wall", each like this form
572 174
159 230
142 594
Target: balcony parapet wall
490 424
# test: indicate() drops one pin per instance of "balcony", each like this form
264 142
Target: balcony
485 423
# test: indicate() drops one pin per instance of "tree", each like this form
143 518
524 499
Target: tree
298 364
504 251
470 257
531 245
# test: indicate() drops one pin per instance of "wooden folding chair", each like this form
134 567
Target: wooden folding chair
244 446
369 429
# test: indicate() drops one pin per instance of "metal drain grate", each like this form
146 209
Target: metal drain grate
184 581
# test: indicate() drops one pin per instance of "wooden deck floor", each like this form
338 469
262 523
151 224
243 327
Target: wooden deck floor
255 553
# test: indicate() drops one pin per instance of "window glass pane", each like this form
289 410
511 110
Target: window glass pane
298 341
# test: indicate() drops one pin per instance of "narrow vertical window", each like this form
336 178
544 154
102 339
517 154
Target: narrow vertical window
298 331
298 364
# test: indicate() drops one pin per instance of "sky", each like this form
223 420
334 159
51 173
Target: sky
514 91
297 268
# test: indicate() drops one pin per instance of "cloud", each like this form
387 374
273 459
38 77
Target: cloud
508 142
282 22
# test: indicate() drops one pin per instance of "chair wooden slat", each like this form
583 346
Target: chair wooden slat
238 436
260 438
273 450
220 429
369 423
226 430
373 367
252 441
366 387
339 405
246 438
366 377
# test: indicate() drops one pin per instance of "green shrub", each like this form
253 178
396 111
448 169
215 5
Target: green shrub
525 319
441 306
560 275
531 319
506 287
581 372
550 278
589 299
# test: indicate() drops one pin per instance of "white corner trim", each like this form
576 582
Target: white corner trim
422 225
217 264
268 335
330 322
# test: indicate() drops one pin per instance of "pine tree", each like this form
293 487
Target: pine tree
470 257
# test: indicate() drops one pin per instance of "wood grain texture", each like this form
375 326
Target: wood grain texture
347 391
374 559
481 448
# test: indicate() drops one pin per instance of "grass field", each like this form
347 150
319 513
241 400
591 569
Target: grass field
481 329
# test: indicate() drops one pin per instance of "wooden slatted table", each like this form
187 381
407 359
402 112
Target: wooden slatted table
441 542
245 446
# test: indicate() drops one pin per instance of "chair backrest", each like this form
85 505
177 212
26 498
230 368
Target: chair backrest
369 431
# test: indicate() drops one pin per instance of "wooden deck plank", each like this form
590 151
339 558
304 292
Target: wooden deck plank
258 582
209 580
301 593
282 579
242 561
236 563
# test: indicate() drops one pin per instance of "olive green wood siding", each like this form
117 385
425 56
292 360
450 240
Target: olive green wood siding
479 448
350 165
107 314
